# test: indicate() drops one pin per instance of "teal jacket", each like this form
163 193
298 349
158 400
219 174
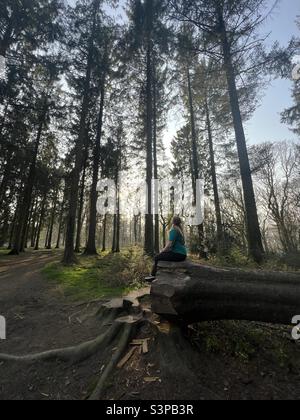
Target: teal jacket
178 242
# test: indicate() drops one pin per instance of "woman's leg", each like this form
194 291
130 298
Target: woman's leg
166 256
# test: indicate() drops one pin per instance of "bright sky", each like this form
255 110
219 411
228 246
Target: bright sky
265 124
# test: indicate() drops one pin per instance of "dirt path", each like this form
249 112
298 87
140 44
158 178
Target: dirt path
40 318
233 361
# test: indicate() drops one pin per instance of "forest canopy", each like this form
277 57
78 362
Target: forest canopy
86 92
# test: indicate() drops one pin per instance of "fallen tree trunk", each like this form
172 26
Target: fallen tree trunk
192 293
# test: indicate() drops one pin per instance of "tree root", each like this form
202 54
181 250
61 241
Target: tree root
73 354
122 345
119 321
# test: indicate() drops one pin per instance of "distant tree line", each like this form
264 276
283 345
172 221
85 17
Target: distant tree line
88 96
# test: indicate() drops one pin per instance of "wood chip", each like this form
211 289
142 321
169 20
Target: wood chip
137 342
164 328
125 359
45 395
145 347
151 379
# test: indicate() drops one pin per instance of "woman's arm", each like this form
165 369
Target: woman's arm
168 247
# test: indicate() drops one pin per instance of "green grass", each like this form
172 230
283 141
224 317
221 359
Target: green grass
237 259
106 276
3 252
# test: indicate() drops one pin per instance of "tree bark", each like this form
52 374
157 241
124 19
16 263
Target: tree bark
40 226
256 249
196 166
27 196
61 220
47 234
80 210
149 240
220 233
118 225
104 233
156 216
69 255
192 293
113 247
49 244
33 224
91 248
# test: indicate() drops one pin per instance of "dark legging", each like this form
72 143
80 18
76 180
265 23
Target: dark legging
167 256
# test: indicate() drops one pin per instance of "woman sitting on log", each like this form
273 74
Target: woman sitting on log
175 251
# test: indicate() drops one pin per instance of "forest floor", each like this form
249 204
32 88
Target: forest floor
44 310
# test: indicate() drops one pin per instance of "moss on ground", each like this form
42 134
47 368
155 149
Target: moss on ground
105 276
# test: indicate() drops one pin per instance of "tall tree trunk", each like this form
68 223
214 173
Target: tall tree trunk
156 217
49 244
80 210
118 224
104 233
5 227
47 234
149 240
60 225
135 229
91 248
24 243
69 255
256 249
33 224
27 196
196 166
12 229
41 221
61 217
114 233
164 235
220 233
